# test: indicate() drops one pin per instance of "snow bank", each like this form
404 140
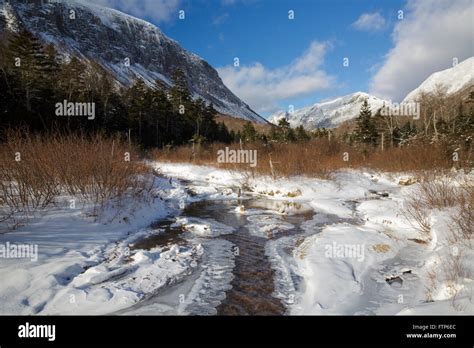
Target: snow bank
358 253
389 270
76 253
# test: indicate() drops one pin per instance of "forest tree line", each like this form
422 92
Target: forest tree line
34 78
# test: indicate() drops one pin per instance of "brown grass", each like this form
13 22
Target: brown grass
381 248
321 157
35 170
236 124
316 158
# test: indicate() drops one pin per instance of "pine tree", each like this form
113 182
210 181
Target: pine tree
249 133
285 132
301 134
136 102
179 93
116 114
162 116
407 132
28 59
223 134
72 79
290 135
274 134
6 100
366 131
51 65
464 130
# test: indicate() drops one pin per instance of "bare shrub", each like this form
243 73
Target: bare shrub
317 158
35 170
439 190
431 286
453 267
462 227
455 272
418 215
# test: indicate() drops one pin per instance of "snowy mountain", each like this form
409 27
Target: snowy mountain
332 113
329 114
126 46
452 80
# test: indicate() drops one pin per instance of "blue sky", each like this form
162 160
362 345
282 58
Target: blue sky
299 62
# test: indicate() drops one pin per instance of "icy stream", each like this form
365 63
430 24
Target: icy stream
236 275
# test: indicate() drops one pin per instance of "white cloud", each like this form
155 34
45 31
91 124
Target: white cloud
432 33
369 22
263 88
158 10
218 20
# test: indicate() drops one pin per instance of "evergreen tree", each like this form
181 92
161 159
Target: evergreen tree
233 136
249 133
116 115
29 60
290 135
301 134
464 129
223 134
6 99
284 132
366 131
274 134
72 80
163 116
31 86
209 126
137 98
179 93
51 65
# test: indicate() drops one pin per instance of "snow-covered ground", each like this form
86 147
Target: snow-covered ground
357 253
76 256
360 253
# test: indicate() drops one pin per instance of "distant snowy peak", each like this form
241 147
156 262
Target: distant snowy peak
329 114
114 39
451 80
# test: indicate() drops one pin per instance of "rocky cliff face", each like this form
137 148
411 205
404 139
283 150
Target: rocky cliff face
126 46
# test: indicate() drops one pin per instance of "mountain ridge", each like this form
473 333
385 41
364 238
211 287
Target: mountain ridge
451 80
110 37
332 113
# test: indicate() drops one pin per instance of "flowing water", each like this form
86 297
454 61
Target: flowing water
252 279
